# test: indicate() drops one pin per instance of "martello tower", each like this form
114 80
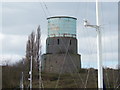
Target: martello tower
61 46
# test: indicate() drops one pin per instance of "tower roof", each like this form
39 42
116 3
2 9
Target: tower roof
62 17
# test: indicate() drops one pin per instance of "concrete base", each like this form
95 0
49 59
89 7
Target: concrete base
64 63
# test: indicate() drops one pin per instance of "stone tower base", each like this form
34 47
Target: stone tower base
64 63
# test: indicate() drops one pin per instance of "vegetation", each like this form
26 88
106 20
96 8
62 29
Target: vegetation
12 76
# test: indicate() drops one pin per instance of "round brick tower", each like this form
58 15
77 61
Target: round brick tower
61 46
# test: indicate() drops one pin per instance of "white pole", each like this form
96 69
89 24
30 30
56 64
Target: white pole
40 78
99 49
22 82
31 74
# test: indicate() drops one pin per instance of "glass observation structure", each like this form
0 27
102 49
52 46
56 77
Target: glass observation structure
61 26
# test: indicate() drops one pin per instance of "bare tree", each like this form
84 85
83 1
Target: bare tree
38 48
33 52
38 55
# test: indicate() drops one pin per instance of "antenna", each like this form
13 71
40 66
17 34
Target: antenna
99 46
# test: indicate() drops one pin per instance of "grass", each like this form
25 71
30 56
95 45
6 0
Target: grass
11 79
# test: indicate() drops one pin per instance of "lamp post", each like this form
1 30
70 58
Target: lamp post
99 46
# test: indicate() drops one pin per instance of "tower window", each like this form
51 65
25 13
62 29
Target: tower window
58 41
47 42
70 42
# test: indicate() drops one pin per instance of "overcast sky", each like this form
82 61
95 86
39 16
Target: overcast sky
20 19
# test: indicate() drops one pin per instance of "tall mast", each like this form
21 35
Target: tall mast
99 45
99 48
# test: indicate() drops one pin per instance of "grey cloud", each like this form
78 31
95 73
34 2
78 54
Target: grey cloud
14 44
21 18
